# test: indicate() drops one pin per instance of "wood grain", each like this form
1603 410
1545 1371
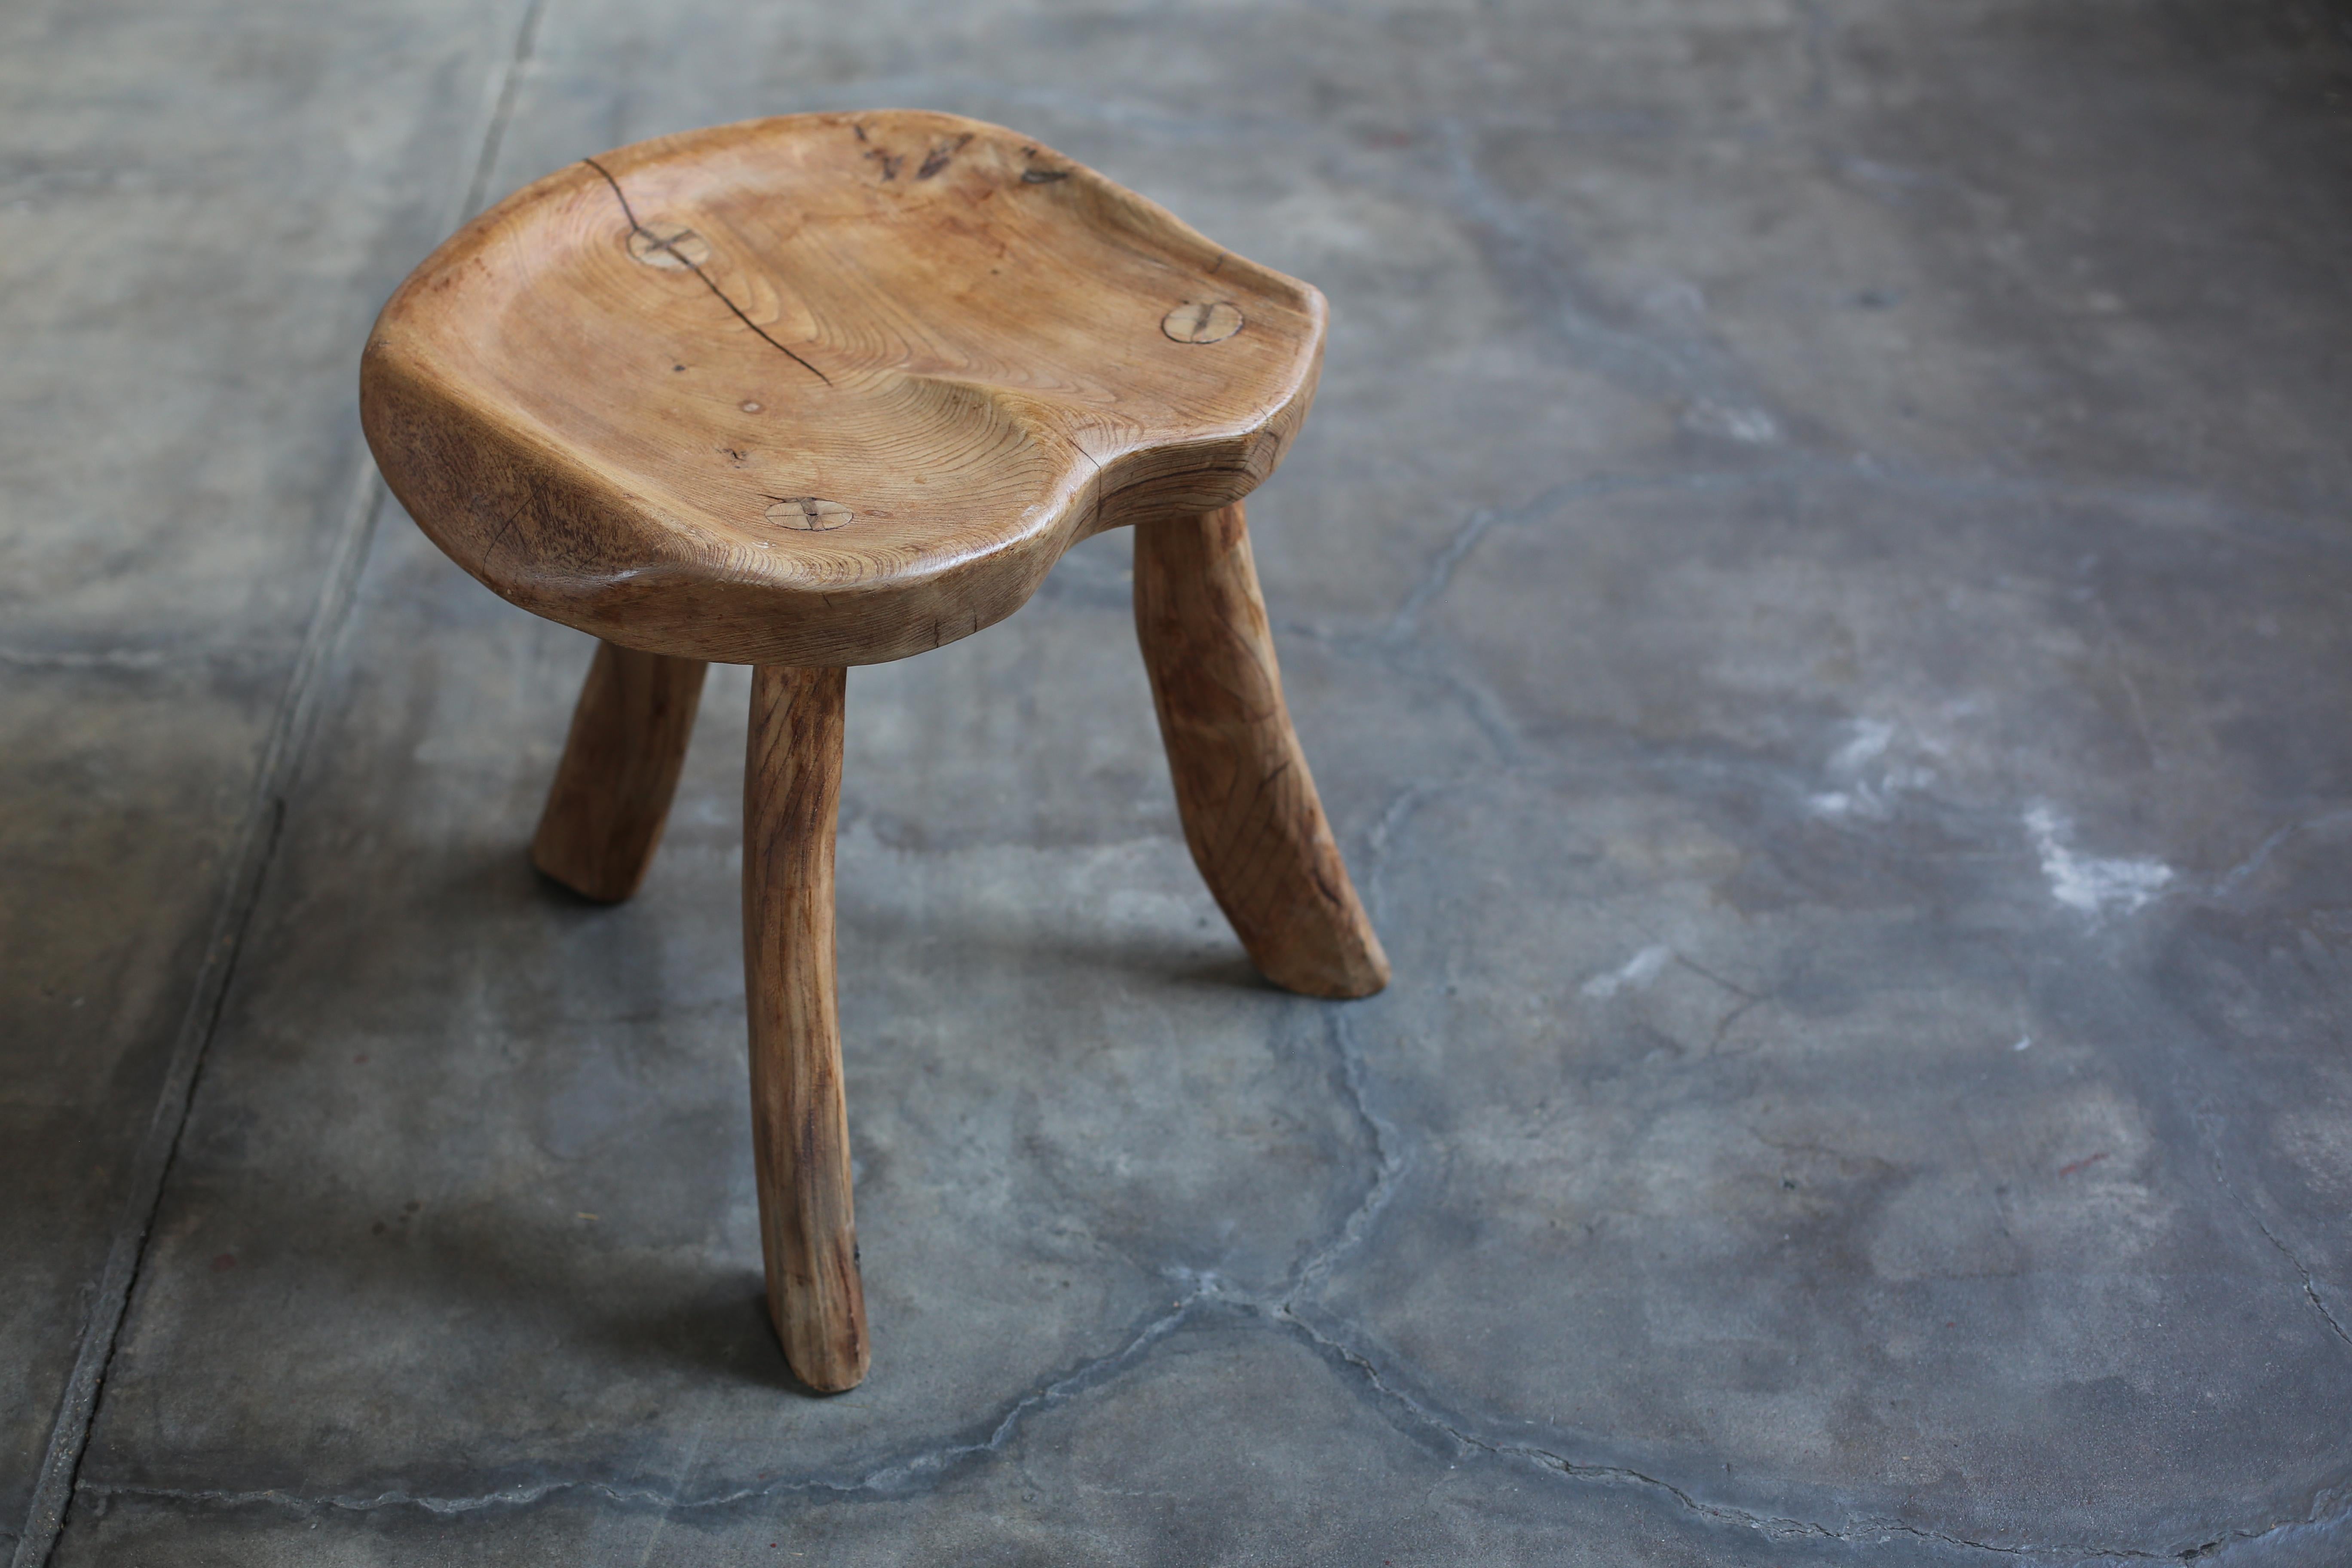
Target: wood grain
612 792
1251 814
609 396
800 1124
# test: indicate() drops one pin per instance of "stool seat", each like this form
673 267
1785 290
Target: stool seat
823 390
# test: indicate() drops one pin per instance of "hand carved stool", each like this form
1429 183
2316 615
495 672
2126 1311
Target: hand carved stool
834 389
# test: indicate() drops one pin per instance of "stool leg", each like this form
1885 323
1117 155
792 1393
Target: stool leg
620 767
800 1128
1251 814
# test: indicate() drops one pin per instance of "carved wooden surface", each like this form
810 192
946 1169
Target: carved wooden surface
824 389
611 791
1251 814
791 798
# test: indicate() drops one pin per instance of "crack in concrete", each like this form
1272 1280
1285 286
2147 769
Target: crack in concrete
895 1475
2208 1124
1403 624
2310 1291
1540 260
1860 1531
1387 1165
2226 886
1406 621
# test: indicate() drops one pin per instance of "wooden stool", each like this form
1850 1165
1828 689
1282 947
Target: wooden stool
834 389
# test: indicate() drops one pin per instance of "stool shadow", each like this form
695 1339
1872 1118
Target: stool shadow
954 940
865 927
517 1289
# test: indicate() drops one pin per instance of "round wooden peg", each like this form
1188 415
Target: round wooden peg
671 246
809 512
1202 322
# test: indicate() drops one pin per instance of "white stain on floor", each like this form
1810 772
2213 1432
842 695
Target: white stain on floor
1635 972
2086 882
1752 427
1866 773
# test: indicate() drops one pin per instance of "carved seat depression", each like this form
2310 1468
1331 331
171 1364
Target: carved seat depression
831 390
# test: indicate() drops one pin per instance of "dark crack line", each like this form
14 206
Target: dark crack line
1081 448
2208 1123
505 528
690 264
1704 972
1405 622
1723 1026
1417 659
2226 886
2310 1289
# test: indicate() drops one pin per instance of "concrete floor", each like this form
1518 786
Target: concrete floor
1817 591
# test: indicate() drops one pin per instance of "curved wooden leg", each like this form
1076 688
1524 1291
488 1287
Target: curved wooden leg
800 1126
612 792
1251 814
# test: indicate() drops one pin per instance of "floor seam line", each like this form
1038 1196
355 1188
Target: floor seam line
248 861
254 847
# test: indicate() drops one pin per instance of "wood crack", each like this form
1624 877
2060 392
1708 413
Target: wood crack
674 253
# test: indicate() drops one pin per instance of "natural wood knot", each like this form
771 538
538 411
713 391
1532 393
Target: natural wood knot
672 247
811 513
1202 322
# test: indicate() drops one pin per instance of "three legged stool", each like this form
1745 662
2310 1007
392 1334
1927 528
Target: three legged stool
834 389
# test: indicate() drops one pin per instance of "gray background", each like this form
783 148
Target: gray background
1816 592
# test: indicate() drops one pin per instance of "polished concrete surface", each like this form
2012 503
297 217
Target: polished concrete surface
1816 590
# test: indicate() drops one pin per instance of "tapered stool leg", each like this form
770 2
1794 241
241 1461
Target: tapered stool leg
1251 815
800 1126
611 791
